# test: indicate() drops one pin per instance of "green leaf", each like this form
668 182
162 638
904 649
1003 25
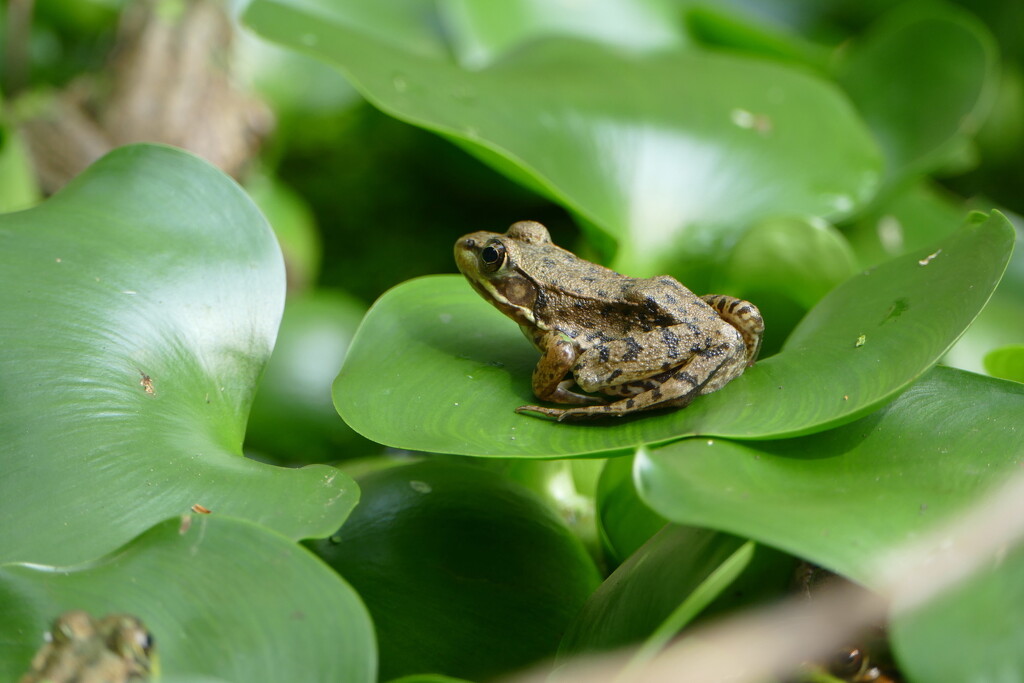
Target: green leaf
731 30
293 419
800 258
1007 363
891 77
665 152
140 305
482 32
1000 324
970 633
667 582
18 186
222 597
294 226
624 521
841 497
435 368
465 572
786 265
911 219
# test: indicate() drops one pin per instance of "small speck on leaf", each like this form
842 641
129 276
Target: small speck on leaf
420 486
201 509
928 259
860 341
147 384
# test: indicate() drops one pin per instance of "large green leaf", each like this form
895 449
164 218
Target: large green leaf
668 581
435 368
140 305
649 148
222 597
922 78
480 32
841 497
465 572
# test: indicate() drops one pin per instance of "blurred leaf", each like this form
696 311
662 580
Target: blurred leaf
201 586
465 572
663 164
451 369
1006 363
667 582
734 31
970 633
294 226
624 521
293 418
891 75
1001 322
18 186
806 258
911 219
141 304
482 32
842 497
786 265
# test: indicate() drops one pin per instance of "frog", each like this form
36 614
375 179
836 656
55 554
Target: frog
647 343
80 649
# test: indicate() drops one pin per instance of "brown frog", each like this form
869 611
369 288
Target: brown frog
650 342
80 649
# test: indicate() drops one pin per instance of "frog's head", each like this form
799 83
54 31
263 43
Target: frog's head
494 265
127 637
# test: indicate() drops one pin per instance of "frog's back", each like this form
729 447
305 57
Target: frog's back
599 302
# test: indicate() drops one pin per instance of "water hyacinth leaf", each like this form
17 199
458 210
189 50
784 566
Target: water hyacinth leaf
890 75
841 497
453 369
654 150
141 303
191 581
464 571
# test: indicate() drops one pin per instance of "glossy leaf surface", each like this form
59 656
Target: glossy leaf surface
841 497
651 149
465 572
222 598
453 369
141 304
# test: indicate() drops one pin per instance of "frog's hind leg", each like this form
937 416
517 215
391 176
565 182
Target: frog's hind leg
677 391
701 374
742 315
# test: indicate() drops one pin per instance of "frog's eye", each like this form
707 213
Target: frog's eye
493 256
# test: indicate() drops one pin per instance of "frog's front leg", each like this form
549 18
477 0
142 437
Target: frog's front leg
558 356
